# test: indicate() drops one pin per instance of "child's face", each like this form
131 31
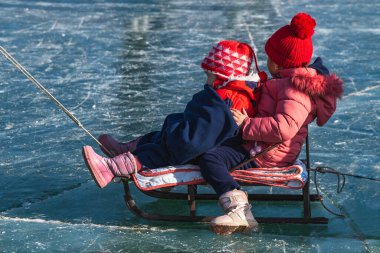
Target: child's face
210 78
273 68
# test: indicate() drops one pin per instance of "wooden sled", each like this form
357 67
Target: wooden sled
192 196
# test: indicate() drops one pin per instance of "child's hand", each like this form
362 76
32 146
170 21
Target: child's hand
238 116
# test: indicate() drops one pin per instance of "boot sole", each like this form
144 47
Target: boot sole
252 228
99 180
227 230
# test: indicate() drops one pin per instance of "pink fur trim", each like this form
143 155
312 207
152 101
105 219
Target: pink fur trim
318 85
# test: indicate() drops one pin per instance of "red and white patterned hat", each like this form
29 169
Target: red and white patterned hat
229 58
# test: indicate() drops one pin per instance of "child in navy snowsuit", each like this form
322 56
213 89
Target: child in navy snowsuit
206 122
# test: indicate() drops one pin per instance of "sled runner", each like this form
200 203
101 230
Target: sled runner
296 177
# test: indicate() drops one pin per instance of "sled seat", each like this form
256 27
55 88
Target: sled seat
292 177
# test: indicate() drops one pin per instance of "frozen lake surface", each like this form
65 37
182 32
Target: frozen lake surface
120 67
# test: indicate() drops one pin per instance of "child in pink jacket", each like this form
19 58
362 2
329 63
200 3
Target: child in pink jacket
295 97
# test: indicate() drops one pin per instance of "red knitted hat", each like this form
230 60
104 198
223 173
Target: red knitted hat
229 58
291 45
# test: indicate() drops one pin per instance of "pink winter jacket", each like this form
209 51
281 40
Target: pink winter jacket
287 106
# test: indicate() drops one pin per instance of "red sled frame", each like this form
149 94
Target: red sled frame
191 196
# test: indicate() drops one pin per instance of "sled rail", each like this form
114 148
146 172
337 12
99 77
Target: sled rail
192 196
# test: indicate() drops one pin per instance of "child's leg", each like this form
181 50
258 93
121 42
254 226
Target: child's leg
215 165
117 148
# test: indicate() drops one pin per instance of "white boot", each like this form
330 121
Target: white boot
238 216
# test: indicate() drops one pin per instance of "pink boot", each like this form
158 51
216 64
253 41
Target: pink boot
103 170
115 147
238 216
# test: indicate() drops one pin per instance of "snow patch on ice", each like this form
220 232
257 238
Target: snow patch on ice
363 91
8 126
111 227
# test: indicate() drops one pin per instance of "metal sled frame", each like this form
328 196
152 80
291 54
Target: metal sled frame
191 196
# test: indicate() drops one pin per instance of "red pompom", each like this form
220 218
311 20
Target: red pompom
303 25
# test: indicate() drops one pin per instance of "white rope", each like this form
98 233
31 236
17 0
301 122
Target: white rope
48 94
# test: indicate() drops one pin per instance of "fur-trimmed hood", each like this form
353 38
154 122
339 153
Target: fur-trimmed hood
324 90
